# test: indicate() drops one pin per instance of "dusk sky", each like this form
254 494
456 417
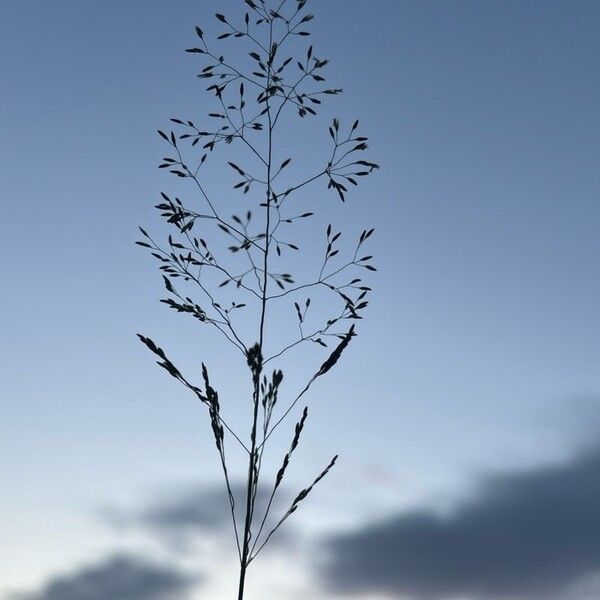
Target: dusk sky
467 411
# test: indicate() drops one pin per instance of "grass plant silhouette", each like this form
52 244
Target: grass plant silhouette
249 265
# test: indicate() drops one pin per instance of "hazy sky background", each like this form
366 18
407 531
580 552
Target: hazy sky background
480 351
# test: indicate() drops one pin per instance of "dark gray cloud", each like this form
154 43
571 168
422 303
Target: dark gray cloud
120 577
526 536
196 513
181 517
189 511
199 509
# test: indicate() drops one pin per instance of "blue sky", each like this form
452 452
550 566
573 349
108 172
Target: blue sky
479 353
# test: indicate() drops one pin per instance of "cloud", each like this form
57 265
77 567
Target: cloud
176 520
199 513
200 509
189 511
194 513
526 536
120 577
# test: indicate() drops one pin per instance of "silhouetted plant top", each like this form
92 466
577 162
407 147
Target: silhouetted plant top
239 279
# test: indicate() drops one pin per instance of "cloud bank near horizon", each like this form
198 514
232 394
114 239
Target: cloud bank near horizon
176 520
119 577
528 535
